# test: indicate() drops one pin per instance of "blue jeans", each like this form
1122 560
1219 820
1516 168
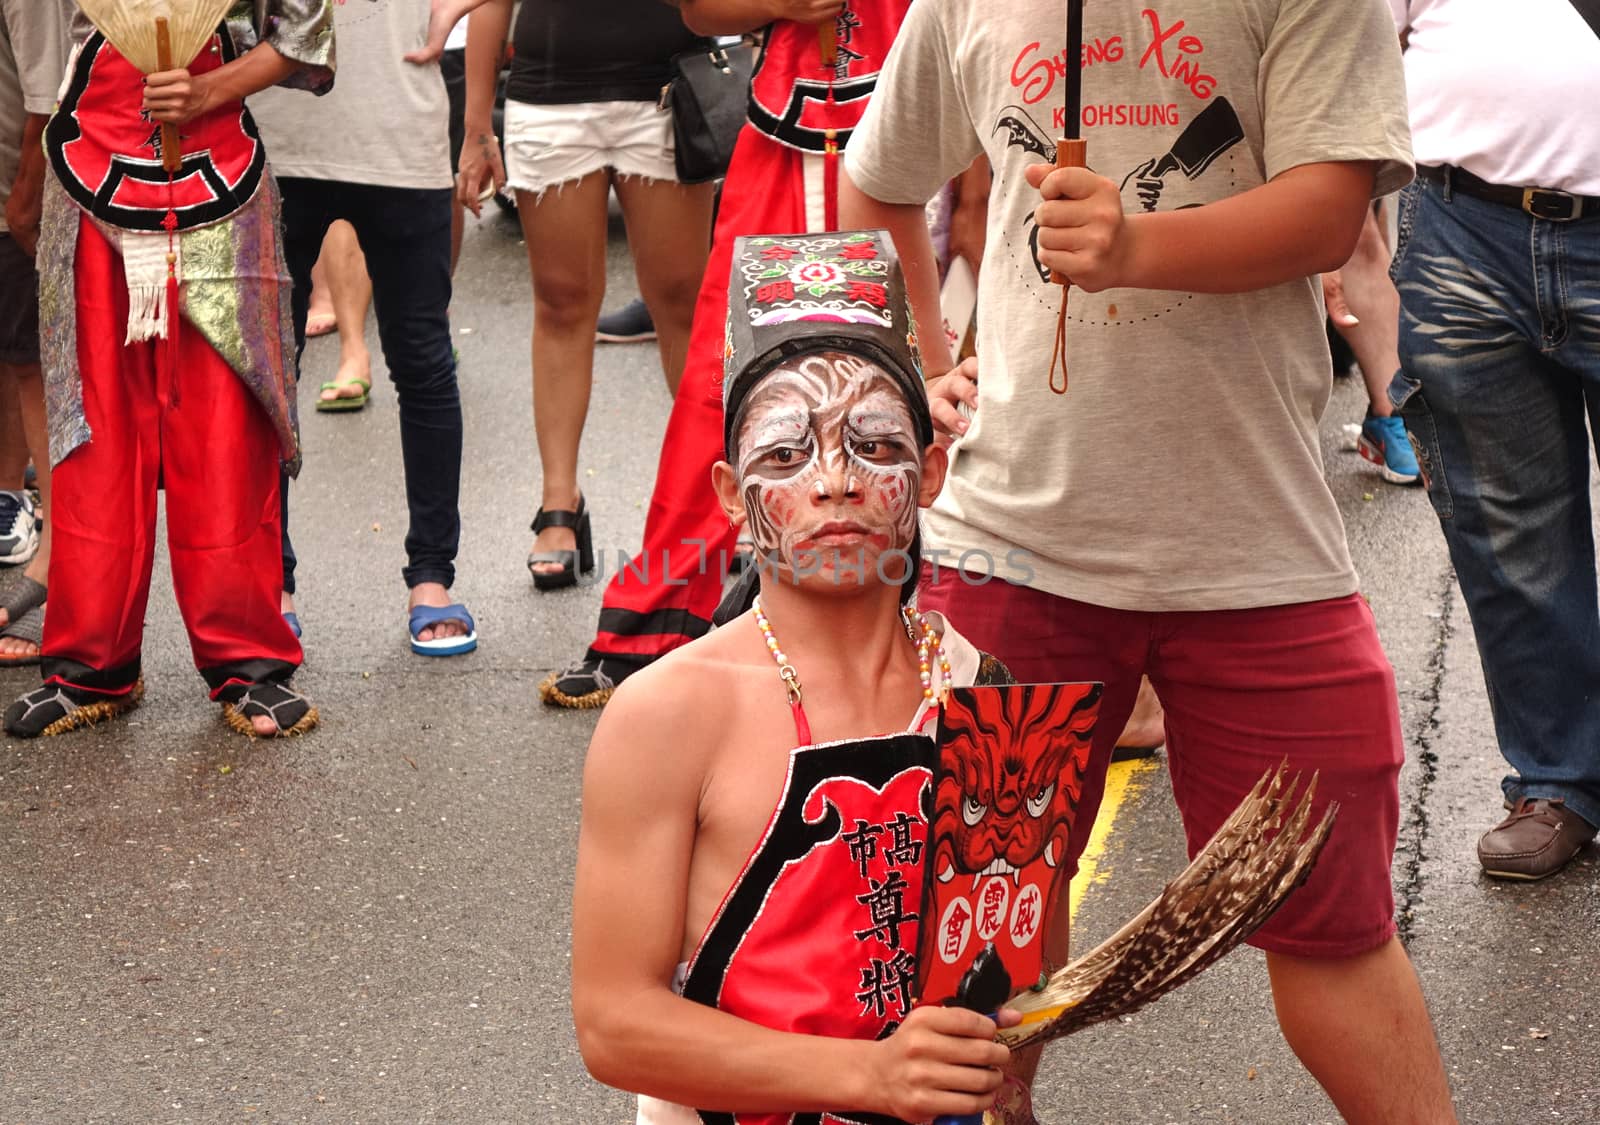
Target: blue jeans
405 235
1499 369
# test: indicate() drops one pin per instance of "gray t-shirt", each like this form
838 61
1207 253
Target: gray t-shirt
384 122
1182 470
33 60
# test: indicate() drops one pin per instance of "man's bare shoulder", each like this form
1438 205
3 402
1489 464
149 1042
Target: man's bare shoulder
691 692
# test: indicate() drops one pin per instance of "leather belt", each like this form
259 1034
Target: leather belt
1541 203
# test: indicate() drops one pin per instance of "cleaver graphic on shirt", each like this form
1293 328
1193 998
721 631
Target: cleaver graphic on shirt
1213 132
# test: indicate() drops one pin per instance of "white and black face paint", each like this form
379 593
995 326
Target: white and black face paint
829 463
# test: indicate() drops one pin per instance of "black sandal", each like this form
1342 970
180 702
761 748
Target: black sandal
290 710
589 683
57 708
22 597
572 563
28 628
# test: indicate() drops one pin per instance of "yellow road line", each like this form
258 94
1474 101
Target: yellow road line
1123 780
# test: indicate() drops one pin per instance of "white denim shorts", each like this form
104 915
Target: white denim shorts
547 145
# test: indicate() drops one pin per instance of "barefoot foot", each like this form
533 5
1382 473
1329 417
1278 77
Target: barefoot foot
1147 725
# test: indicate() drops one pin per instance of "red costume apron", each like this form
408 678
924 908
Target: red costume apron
819 933
107 153
687 540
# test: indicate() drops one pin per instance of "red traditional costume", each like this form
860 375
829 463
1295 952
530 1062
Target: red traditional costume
819 934
780 180
166 342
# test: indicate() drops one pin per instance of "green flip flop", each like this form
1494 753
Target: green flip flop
344 402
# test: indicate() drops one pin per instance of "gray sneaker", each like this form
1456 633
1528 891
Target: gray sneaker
19 528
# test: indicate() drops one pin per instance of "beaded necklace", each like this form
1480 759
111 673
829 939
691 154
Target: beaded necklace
929 649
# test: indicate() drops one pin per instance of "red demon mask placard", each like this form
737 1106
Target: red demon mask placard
107 153
1010 775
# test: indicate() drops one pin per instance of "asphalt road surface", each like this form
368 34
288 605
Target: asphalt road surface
371 924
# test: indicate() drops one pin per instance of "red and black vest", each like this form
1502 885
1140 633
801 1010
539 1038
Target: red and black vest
107 153
795 100
819 933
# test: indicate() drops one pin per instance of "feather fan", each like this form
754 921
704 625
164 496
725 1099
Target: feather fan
1259 855
130 25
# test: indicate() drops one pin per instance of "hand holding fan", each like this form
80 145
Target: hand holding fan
158 35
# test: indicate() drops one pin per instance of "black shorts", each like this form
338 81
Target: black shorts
19 311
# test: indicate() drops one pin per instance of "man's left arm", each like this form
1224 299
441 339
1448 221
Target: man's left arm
1333 136
443 15
885 183
24 205
41 43
1303 221
907 224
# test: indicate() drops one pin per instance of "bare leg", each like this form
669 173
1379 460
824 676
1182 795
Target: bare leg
1147 726
29 384
669 231
565 233
319 316
1375 305
13 439
351 292
1361 1028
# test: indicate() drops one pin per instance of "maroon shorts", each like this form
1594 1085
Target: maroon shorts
1243 690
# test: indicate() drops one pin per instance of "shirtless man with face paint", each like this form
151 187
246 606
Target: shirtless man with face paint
723 954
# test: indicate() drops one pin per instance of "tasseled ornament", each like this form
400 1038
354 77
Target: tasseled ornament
170 222
830 179
828 46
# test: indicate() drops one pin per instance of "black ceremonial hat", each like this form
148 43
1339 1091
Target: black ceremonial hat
793 294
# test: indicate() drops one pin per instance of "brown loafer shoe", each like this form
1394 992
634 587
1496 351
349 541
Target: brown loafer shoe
1538 838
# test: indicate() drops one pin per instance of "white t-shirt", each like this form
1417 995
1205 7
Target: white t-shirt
384 122
457 39
1182 470
33 60
1506 91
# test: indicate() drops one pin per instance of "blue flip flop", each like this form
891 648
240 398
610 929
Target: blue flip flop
293 621
424 616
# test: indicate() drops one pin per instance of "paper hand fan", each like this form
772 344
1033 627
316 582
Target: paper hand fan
156 35
1255 860
131 27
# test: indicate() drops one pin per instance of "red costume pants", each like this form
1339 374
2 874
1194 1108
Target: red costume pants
666 598
198 433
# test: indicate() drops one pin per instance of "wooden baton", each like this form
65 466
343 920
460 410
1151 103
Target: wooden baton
828 41
171 143
1069 154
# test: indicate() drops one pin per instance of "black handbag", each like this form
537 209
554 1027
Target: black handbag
1590 11
709 98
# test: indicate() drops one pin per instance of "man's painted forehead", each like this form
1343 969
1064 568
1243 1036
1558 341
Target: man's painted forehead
803 385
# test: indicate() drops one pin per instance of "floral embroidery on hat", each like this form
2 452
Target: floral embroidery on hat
837 279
